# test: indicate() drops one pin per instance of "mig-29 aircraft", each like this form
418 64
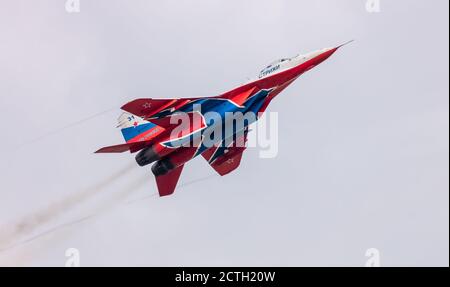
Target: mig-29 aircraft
151 126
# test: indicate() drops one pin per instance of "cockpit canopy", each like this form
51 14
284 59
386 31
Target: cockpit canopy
276 62
274 66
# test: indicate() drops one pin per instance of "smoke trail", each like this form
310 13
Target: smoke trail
105 206
31 222
99 210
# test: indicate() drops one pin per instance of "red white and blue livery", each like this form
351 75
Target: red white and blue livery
151 129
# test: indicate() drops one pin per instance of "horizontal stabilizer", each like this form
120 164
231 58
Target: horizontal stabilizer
131 147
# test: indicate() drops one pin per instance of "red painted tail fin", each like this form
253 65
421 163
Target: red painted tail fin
166 183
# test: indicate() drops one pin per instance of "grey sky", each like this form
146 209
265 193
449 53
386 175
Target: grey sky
363 139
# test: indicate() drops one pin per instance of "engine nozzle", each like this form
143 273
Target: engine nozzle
162 167
146 156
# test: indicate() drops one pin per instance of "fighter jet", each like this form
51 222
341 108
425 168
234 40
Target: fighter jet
152 128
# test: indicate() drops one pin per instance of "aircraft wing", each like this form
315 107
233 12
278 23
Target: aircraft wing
154 108
149 108
225 159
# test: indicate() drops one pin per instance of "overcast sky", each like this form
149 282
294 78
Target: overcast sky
363 138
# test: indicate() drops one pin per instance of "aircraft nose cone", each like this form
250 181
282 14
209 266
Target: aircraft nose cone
326 53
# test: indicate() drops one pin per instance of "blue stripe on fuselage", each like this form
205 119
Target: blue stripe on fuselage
215 111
